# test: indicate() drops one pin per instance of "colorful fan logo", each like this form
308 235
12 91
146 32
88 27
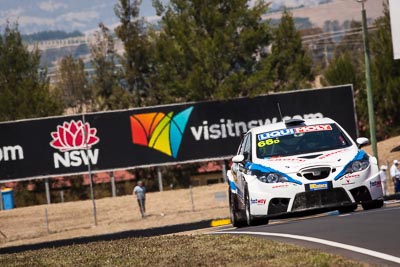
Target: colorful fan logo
160 131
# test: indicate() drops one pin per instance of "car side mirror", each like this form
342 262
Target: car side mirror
238 159
362 141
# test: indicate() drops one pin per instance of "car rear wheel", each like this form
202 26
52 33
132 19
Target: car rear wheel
374 204
236 222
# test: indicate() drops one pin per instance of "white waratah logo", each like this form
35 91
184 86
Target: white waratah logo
74 135
75 140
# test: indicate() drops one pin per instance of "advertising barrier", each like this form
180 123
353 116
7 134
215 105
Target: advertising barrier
160 135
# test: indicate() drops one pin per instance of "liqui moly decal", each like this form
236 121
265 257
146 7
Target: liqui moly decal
74 140
303 129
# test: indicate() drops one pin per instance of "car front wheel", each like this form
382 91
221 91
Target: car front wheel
251 221
236 222
247 207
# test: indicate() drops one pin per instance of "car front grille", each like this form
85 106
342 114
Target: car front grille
320 199
315 173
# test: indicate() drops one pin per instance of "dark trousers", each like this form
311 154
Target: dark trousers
397 185
142 206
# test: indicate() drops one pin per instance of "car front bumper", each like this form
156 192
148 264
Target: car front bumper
275 199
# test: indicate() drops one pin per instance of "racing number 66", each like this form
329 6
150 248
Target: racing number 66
268 142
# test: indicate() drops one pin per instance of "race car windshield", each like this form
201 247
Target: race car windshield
300 140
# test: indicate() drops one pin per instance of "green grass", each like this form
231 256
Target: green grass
179 250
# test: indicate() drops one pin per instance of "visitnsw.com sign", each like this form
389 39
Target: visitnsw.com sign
159 135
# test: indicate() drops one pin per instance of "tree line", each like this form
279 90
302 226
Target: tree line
197 51
347 66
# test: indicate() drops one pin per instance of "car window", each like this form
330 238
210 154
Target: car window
241 147
301 140
245 147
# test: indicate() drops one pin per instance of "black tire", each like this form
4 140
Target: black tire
236 222
348 209
374 204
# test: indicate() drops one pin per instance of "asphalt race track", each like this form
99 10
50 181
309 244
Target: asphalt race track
371 236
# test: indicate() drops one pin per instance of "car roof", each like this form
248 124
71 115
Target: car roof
293 123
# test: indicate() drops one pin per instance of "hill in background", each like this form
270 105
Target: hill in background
335 10
84 16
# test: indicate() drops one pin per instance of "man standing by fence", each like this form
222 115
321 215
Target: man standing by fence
140 192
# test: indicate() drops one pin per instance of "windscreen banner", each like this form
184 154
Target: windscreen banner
159 135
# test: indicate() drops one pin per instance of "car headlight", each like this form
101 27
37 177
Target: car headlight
358 165
269 178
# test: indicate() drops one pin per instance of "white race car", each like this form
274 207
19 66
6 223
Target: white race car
300 165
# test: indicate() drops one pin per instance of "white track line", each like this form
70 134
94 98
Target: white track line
324 242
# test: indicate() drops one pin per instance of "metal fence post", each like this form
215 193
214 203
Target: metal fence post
1 199
113 189
224 171
46 217
191 197
160 183
46 184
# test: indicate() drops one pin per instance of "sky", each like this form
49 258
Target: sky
83 15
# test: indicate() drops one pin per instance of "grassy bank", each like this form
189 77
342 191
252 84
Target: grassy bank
179 250
75 219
